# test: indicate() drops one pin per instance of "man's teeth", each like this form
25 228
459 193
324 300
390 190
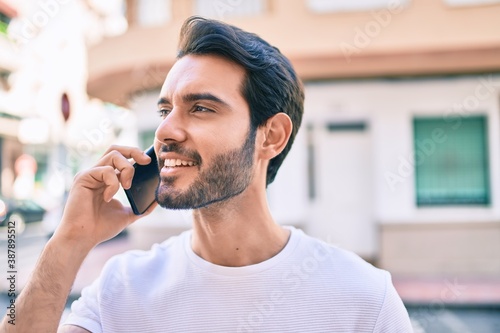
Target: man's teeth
178 162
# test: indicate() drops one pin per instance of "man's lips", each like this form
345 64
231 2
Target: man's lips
173 157
175 160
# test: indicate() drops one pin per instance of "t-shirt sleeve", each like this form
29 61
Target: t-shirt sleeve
393 316
85 311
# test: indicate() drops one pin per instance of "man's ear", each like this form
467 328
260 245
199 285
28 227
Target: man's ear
274 135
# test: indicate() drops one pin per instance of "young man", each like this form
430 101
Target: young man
230 108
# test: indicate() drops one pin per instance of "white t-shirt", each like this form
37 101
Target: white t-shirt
310 286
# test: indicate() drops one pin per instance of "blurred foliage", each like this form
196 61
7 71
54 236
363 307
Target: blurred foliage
3 28
4 23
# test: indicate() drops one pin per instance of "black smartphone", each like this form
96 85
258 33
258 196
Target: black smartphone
142 193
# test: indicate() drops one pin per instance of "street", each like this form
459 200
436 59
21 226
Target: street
429 319
425 318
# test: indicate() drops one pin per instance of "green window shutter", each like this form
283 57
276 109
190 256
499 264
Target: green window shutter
451 161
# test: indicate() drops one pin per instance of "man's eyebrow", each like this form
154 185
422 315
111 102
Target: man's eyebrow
195 97
203 96
163 100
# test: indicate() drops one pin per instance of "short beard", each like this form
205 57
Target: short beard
227 176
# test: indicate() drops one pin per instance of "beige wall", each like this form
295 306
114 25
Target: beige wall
426 37
423 25
446 249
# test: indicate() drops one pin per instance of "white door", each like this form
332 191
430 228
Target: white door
343 213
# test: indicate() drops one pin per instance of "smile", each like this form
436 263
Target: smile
172 163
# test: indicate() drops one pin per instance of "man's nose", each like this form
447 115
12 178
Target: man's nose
172 127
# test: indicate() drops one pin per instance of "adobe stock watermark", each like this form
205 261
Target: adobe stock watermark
436 309
221 7
453 117
291 280
148 78
372 29
93 137
48 9
484 90
406 166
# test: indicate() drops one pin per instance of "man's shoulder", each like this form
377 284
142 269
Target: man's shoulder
336 278
332 251
344 266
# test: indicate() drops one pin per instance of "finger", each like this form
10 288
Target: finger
130 152
104 175
119 162
117 156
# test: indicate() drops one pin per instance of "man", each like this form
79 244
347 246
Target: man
230 108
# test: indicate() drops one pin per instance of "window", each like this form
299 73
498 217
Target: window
322 6
458 3
451 161
220 9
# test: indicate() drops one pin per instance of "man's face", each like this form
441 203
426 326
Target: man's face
204 143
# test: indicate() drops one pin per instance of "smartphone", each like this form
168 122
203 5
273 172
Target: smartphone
142 193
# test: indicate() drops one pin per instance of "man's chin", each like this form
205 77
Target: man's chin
170 200
179 203
183 201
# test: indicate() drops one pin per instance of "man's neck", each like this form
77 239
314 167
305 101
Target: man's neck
238 232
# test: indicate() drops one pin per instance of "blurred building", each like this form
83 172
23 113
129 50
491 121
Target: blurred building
9 121
45 111
399 152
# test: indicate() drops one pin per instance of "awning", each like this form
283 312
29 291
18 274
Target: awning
8 9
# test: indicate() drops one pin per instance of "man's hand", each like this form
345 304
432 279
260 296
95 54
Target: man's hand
91 215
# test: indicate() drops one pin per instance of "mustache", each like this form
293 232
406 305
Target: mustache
177 148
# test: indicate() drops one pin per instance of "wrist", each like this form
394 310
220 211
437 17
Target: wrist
74 246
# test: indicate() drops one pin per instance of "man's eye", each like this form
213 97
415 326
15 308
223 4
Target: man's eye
199 108
163 113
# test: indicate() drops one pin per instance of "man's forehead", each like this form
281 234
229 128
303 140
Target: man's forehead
204 72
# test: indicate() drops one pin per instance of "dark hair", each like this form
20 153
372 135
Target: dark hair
271 84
